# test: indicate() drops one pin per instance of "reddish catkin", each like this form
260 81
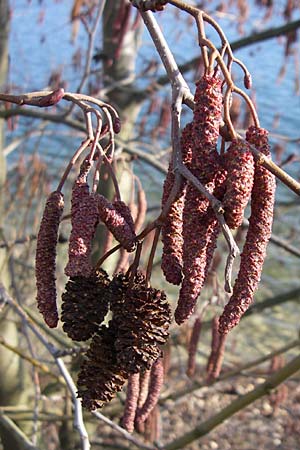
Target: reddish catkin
143 387
239 164
215 337
258 235
84 219
193 344
125 212
116 223
200 226
45 258
131 402
172 239
200 232
155 385
141 209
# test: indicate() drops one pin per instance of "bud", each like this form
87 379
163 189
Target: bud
248 80
46 256
117 125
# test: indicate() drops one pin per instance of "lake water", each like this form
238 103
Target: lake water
40 43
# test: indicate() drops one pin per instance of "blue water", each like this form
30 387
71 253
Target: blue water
40 43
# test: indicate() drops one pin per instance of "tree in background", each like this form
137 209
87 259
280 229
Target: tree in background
110 92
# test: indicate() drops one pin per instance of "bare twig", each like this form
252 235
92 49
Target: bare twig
123 432
78 418
16 432
241 402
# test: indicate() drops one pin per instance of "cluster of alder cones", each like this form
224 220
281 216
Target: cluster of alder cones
130 343
191 228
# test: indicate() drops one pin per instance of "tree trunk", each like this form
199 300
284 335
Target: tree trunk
119 68
11 381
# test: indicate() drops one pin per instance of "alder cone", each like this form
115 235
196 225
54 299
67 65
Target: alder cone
85 304
172 238
239 164
46 256
101 376
258 235
142 317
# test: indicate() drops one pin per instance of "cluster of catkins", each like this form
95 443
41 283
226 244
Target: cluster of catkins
131 341
190 231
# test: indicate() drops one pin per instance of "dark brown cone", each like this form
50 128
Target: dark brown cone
258 235
85 305
45 258
142 317
100 377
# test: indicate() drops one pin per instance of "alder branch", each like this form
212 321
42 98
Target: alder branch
17 433
122 431
253 38
293 295
78 417
279 242
34 362
237 405
239 370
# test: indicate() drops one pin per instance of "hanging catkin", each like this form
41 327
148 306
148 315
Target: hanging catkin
116 222
132 396
258 235
84 219
45 258
155 385
200 225
193 344
172 239
239 164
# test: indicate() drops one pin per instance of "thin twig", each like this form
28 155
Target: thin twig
241 402
123 432
78 418
16 432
